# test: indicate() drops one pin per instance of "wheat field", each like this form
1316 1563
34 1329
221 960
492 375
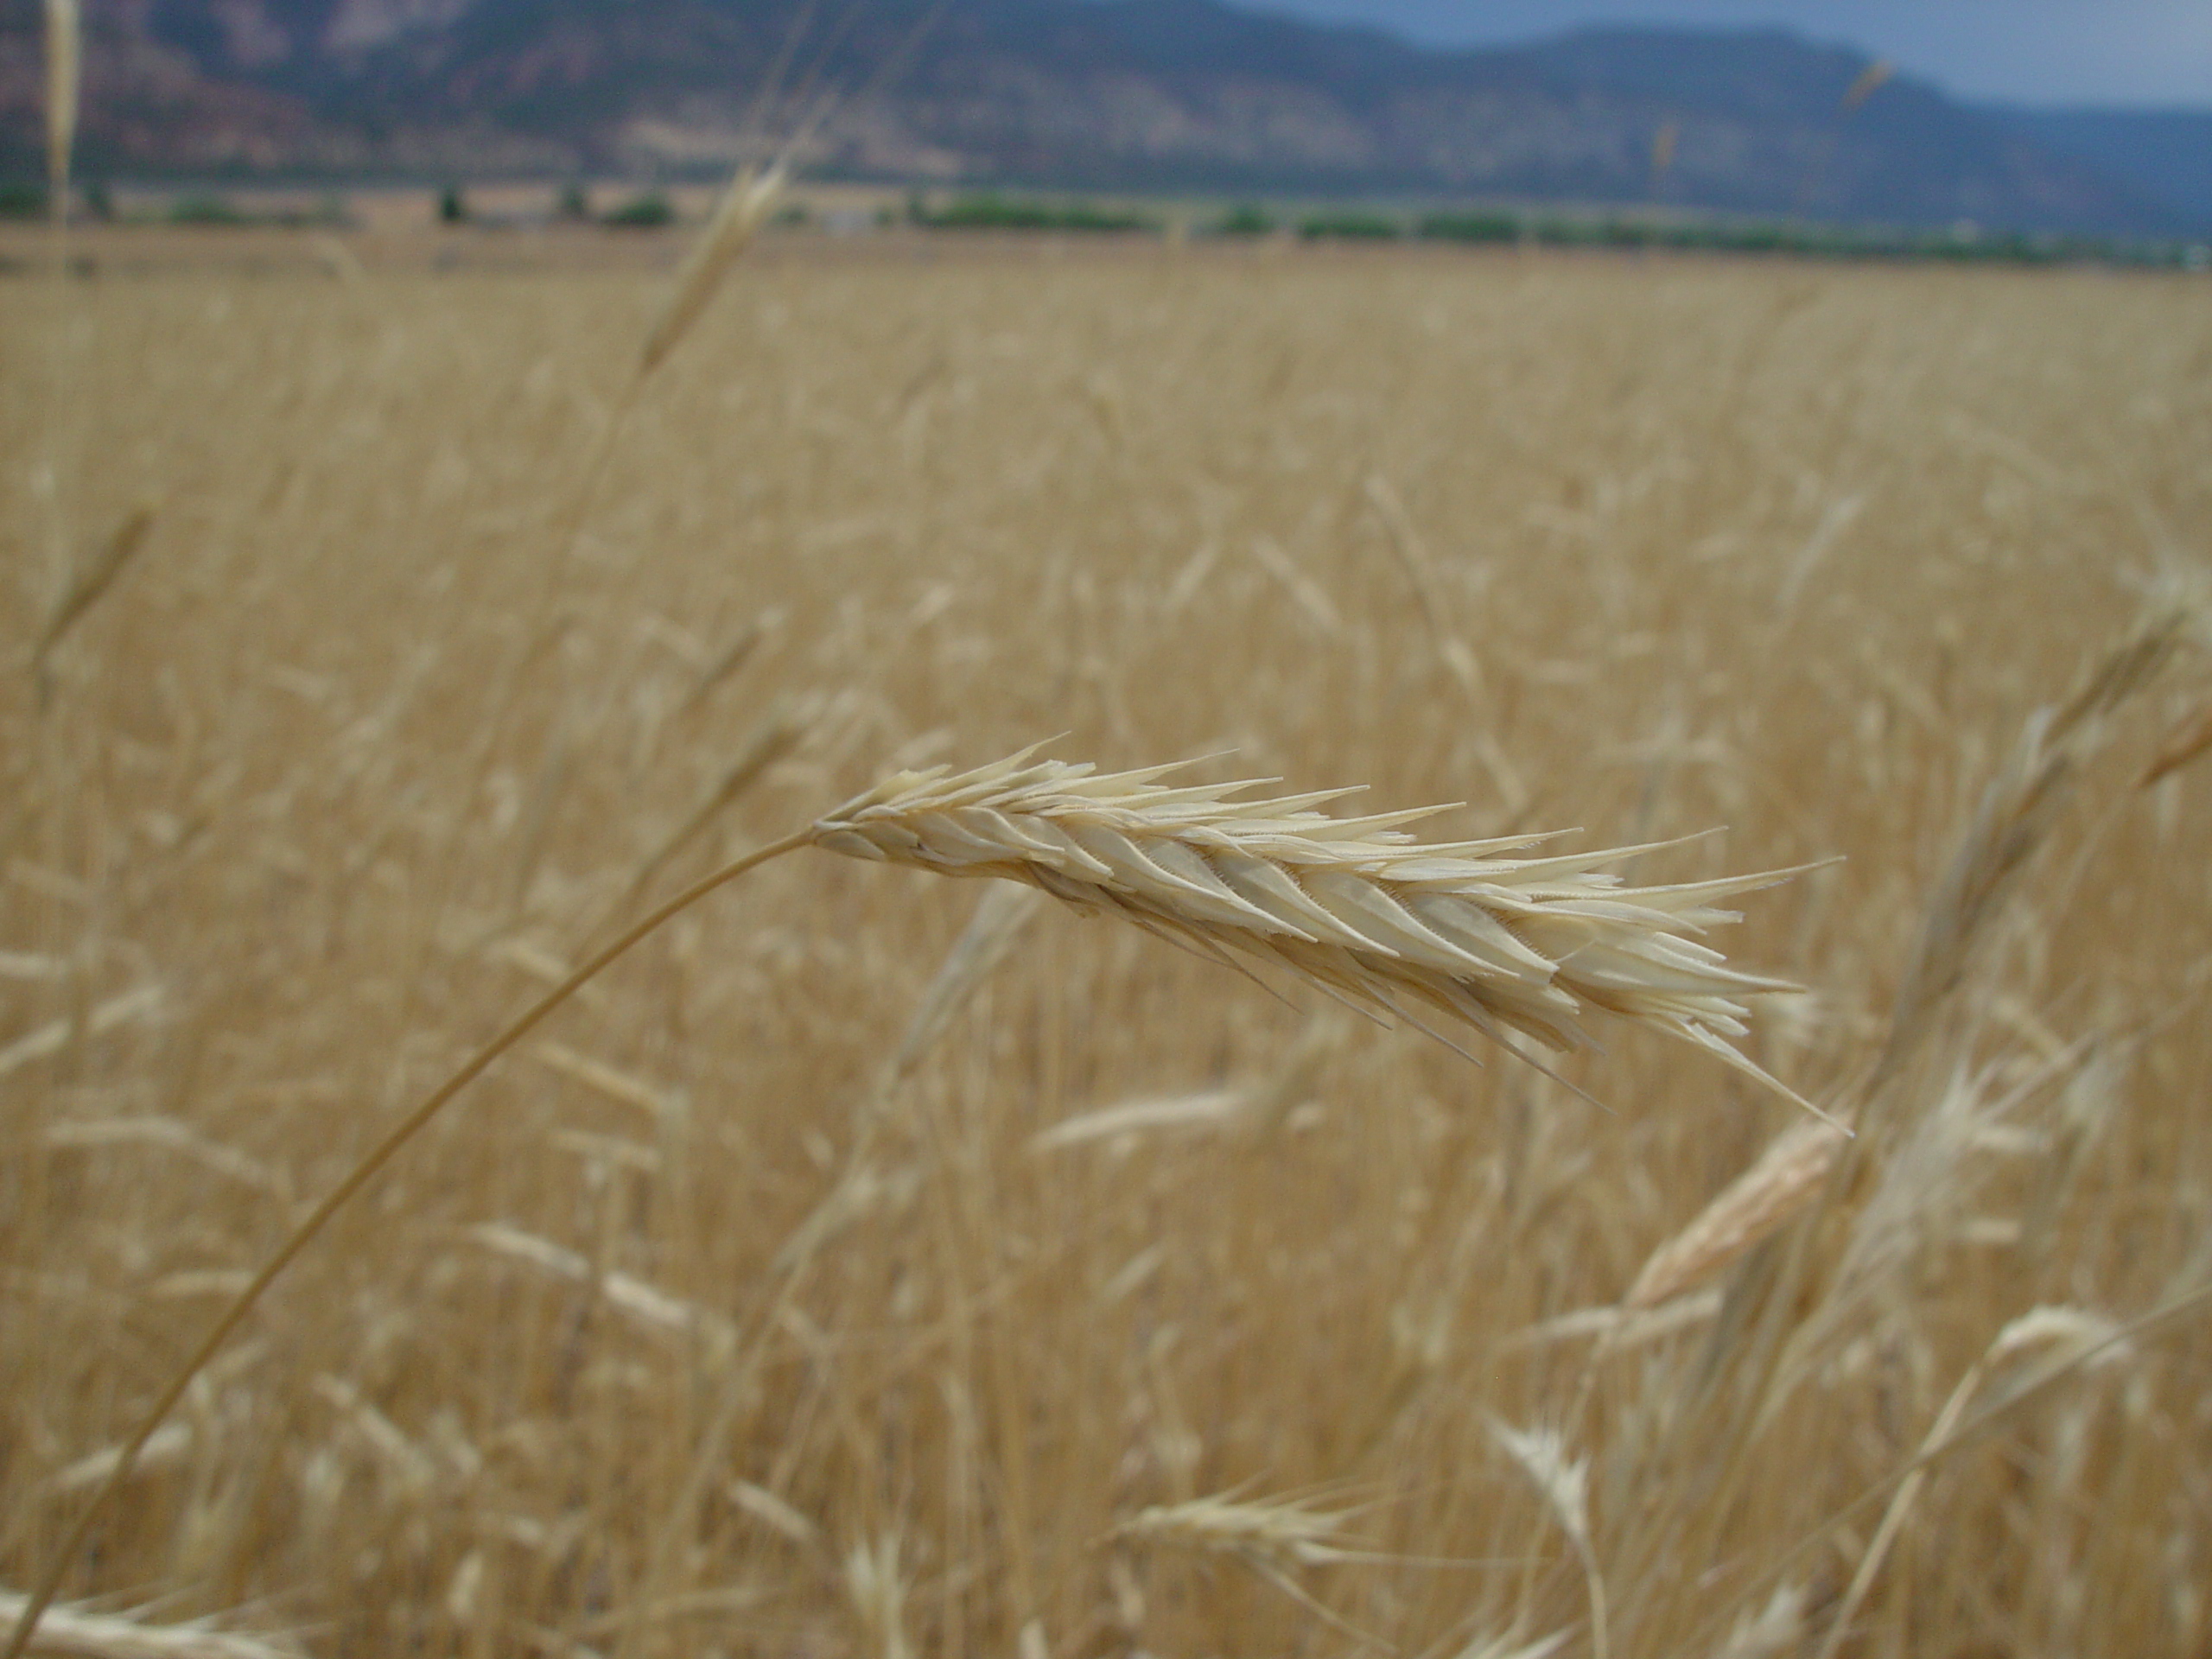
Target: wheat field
881 1266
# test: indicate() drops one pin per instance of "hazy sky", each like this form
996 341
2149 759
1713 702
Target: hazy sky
2140 52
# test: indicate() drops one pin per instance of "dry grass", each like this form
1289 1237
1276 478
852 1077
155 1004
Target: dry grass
826 1279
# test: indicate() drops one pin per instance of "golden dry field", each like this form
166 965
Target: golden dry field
870 1265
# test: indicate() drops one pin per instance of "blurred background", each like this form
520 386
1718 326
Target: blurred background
1702 118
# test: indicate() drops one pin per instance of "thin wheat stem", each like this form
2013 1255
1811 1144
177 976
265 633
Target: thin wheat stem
1934 1449
358 1177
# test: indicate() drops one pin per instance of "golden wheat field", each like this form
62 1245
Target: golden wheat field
875 1264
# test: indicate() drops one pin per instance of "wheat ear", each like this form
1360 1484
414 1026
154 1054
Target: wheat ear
738 217
1469 930
1783 1181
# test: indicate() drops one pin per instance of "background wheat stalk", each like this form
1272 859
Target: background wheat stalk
64 61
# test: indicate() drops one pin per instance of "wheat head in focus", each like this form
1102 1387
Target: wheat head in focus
1469 930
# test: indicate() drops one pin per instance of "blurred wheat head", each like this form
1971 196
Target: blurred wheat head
64 53
744 208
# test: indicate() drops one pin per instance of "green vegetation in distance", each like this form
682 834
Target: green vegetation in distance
1495 225
1246 219
1350 225
1470 227
995 212
1962 243
651 212
203 208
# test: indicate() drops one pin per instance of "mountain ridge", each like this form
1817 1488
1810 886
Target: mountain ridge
1132 95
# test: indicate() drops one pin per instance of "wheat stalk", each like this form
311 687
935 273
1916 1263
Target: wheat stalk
2087 1336
33 1607
778 732
88 583
1413 557
2189 738
1397 930
64 56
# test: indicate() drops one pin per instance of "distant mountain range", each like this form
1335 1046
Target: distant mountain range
2164 154
1133 95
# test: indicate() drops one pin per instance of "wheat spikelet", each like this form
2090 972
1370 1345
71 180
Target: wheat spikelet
1274 1538
1776 1628
167 1134
1259 1104
55 1036
1511 1647
649 1307
166 1447
657 1103
1620 1328
1310 598
1397 930
1211 1109
778 1514
1565 1482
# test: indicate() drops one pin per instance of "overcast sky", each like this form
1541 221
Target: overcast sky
2136 52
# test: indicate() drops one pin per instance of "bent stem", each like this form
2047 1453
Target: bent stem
358 1177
